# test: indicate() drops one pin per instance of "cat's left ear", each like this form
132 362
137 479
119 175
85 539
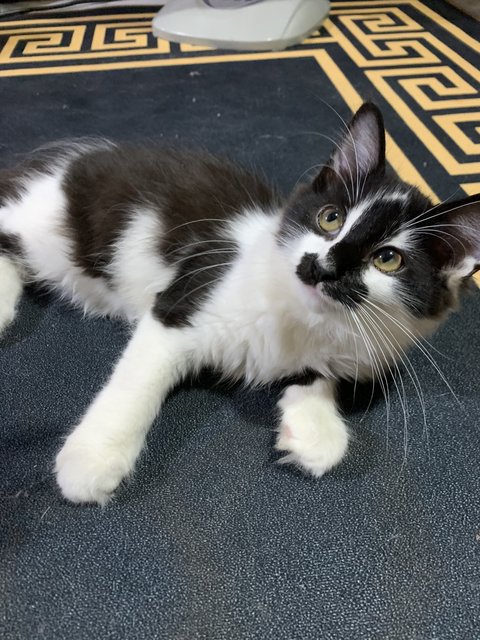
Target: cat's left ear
360 152
456 226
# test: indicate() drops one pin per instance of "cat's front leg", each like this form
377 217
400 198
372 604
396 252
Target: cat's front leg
311 431
101 451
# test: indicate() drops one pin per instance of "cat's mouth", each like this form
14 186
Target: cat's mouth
329 296
317 298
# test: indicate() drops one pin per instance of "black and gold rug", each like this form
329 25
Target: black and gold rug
418 60
210 540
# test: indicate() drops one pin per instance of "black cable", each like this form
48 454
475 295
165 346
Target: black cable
4 11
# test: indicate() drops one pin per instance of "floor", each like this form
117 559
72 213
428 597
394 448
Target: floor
210 539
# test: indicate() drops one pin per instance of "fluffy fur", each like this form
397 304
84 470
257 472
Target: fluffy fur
214 269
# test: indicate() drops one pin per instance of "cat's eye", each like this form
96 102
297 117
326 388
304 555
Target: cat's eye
330 219
388 260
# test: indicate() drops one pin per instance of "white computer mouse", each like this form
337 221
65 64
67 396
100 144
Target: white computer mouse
240 24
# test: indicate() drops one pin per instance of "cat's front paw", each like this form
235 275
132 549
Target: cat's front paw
311 432
90 471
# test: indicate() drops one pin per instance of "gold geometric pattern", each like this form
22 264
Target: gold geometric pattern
408 55
382 41
39 43
406 52
130 36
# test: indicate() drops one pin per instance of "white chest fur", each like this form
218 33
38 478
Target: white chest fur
256 324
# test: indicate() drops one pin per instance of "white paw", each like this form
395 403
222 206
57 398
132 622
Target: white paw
10 291
89 471
311 432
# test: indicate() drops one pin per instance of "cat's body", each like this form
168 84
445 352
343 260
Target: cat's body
216 270
120 257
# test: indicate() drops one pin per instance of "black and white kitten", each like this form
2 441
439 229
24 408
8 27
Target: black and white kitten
216 270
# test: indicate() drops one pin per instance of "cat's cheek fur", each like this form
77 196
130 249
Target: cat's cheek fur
311 432
308 243
381 287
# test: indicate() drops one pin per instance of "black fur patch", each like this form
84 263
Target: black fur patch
193 194
10 245
42 160
422 283
9 187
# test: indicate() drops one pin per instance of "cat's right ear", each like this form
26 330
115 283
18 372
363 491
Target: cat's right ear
360 153
454 229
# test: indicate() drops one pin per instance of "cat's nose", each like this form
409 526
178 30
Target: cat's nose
326 275
311 272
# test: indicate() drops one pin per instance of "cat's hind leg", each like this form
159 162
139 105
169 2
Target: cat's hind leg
11 286
311 431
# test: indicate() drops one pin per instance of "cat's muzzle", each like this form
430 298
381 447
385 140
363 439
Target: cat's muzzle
311 272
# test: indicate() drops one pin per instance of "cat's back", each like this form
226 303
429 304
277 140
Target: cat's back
186 180
104 223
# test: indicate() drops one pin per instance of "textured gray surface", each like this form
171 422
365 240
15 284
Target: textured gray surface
211 539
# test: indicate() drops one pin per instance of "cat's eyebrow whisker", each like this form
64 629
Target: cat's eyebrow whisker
436 215
438 228
438 234
340 150
332 108
313 167
434 230
434 206
324 165
364 182
448 224
348 131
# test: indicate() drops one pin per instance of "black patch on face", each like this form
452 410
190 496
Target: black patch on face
341 272
356 172
422 283
192 194
311 272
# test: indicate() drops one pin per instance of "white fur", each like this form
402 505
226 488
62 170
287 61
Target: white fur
10 290
38 219
256 324
311 431
137 270
102 450
309 242
259 322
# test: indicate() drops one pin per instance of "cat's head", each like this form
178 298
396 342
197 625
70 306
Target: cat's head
357 236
